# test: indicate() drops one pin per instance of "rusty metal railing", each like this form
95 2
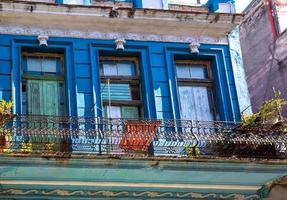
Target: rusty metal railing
50 135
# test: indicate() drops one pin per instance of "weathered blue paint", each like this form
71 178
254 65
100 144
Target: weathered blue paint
157 73
239 73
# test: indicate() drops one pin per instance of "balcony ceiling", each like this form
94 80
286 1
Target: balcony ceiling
123 19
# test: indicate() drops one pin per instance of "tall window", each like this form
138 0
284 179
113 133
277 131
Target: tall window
43 90
120 87
195 90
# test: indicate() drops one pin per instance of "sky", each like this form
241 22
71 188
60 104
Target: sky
241 5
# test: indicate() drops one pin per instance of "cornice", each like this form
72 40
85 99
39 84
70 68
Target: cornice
52 32
107 19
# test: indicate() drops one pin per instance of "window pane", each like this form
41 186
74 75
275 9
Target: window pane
125 69
34 65
116 91
198 72
110 70
195 103
112 112
192 71
39 65
49 65
130 112
183 71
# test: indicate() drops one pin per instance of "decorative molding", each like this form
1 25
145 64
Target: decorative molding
120 44
43 40
35 31
194 47
125 194
132 185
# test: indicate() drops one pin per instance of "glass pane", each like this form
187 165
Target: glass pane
34 65
49 65
198 72
116 91
194 103
112 112
183 71
110 70
130 112
125 69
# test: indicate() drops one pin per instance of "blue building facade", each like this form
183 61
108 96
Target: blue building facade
82 81
119 100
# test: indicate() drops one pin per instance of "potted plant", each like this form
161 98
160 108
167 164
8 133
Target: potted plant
269 114
5 115
268 120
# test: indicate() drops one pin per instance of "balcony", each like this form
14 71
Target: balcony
51 136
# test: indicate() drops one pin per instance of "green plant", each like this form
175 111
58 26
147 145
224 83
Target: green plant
269 111
5 107
192 151
5 134
267 120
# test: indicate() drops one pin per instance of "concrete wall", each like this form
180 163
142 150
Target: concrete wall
108 178
263 71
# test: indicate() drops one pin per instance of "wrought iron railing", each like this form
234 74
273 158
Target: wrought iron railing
66 136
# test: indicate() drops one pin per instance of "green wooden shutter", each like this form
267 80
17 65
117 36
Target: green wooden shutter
34 95
50 98
43 97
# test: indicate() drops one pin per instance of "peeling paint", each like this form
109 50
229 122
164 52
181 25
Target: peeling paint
239 73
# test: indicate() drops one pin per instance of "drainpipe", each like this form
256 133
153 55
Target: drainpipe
271 16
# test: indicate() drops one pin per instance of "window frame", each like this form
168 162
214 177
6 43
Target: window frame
43 76
25 76
208 82
131 80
